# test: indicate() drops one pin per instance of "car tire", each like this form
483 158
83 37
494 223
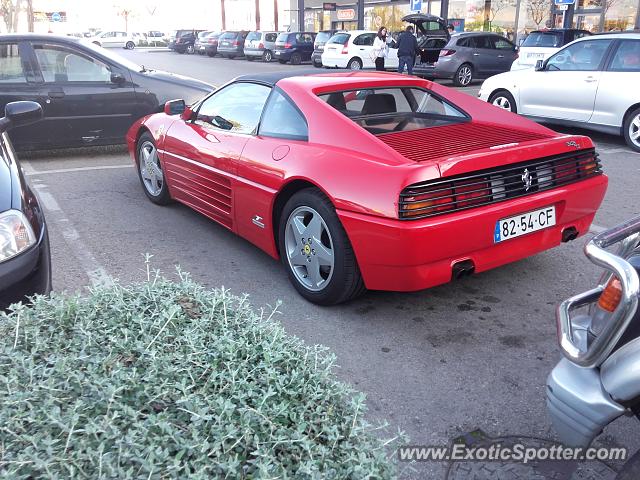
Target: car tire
296 58
129 45
504 100
211 54
267 56
155 188
231 57
354 64
631 129
463 76
333 279
317 64
191 49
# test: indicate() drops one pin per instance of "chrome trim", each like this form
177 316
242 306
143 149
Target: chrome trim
628 236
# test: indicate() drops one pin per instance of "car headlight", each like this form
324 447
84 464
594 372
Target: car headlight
16 234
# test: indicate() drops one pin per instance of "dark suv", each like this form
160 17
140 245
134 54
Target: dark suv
318 46
294 47
184 41
231 43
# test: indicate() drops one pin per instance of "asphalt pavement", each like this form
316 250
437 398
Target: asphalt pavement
468 355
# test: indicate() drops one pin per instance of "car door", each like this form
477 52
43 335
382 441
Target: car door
280 144
199 155
482 55
85 99
363 46
504 54
618 88
18 82
108 39
121 39
306 45
566 87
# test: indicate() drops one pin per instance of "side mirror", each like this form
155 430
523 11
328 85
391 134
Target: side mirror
18 114
118 78
175 107
539 65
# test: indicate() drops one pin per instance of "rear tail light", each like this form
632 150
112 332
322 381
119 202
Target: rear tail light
287 45
261 45
439 200
446 52
475 194
345 48
611 295
236 43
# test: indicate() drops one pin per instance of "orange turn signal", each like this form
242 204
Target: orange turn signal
611 296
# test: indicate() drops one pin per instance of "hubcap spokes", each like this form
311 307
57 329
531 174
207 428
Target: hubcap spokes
502 103
150 169
309 248
634 130
465 76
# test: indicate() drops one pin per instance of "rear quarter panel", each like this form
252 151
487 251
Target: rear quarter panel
617 91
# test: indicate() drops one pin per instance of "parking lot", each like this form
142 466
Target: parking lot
469 355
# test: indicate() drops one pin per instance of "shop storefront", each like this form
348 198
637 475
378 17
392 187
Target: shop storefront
512 18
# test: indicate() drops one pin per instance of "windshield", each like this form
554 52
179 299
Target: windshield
390 110
283 37
323 37
254 36
340 38
543 39
112 56
228 35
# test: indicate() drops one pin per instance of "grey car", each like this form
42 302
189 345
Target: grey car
260 45
473 55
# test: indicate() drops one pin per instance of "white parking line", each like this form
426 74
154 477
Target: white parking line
55 215
30 171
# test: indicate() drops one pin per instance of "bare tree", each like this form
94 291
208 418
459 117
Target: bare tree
30 15
224 16
539 10
257 14
604 4
497 6
126 13
275 14
10 9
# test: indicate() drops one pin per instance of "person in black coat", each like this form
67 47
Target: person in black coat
407 49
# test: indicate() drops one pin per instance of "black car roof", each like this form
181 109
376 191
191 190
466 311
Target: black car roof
37 36
272 78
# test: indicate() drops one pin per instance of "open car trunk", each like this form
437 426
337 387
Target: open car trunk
432 36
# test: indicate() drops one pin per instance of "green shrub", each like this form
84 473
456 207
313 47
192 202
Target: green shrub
169 380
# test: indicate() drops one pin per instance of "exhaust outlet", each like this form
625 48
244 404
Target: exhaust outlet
569 234
462 269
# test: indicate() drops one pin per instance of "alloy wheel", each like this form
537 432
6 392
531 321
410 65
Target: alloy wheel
309 248
268 56
355 65
634 131
150 169
502 103
464 75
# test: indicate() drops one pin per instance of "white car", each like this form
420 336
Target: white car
114 39
541 44
591 83
352 49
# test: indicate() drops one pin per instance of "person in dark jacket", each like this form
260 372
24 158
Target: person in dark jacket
407 49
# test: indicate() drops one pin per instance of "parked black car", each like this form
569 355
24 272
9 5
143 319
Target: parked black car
211 47
90 96
25 259
472 55
318 46
231 43
294 47
184 41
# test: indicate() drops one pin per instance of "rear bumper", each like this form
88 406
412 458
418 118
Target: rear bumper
316 57
335 61
284 55
414 255
27 274
224 51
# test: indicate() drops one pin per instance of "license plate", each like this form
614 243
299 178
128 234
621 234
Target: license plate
512 227
535 55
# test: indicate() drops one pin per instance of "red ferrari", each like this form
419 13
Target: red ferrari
369 180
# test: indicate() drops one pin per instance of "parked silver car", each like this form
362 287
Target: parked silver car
260 45
472 55
591 83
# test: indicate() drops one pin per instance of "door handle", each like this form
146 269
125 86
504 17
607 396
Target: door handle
590 79
56 94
